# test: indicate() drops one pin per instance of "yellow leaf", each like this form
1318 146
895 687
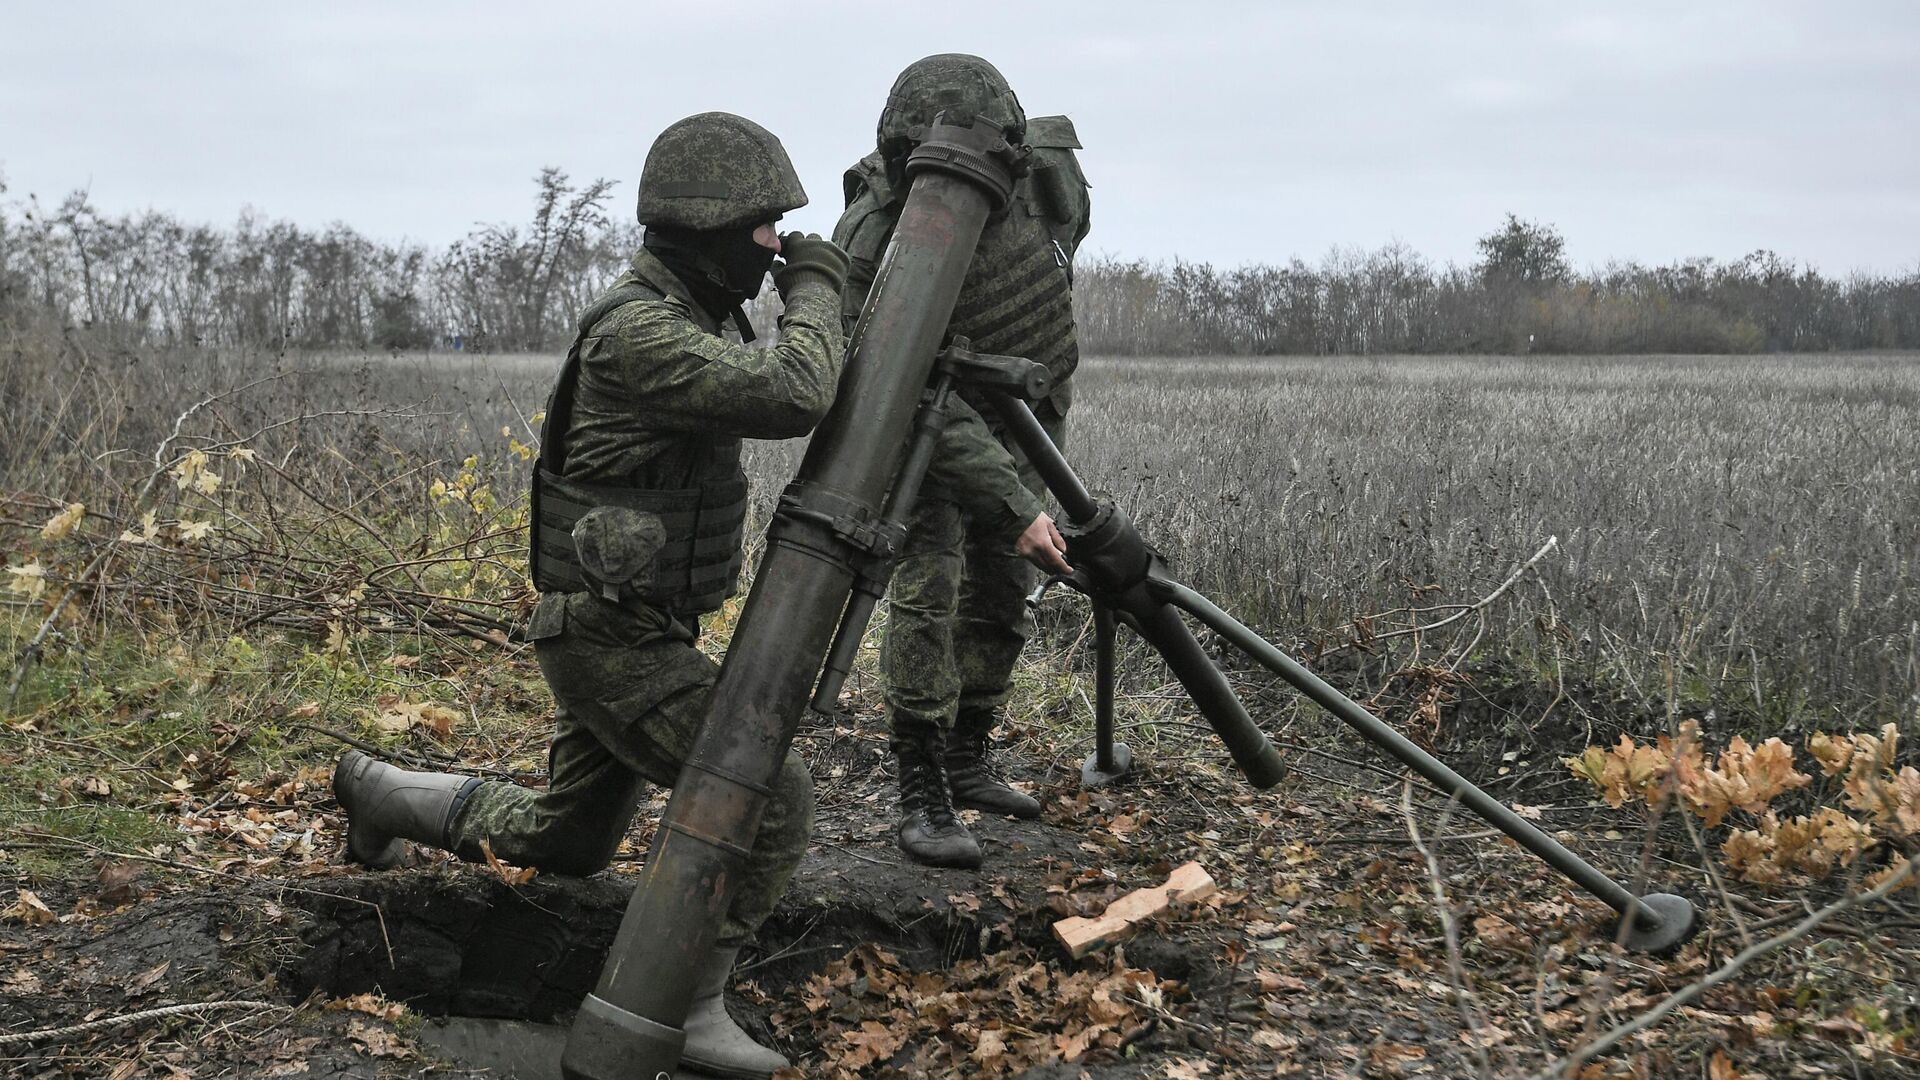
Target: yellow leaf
1590 766
1832 754
193 531
187 468
207 482
62 524
149 528
1906 811
1749 853
1746 778
29 579
1897 867
406 715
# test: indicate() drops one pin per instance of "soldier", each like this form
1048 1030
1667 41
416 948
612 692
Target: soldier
638 511
957 600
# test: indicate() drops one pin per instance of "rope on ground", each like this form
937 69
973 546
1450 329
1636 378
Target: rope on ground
114 1021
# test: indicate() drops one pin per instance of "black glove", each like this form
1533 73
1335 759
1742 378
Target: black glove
808 258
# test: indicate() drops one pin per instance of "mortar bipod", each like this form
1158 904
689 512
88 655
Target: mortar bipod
1111 760
1120 574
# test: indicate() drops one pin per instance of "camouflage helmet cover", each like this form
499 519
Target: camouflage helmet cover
954 83
716 170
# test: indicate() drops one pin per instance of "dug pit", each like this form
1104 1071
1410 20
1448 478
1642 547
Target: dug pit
499 969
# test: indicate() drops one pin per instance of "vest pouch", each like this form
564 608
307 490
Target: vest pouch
617 546
694 565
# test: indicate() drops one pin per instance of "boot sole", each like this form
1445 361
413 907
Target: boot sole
944 862
694 1067
1023 813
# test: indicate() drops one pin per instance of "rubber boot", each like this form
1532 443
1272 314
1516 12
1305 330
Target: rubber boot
975 779
387 806
930 831
715 1044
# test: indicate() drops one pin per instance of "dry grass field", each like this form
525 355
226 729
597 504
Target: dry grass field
1752 522
1510 557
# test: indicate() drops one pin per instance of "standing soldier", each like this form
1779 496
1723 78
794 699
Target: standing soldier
957 600
639 503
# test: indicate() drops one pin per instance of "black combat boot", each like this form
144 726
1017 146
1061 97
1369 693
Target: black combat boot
715 1044
930 831
386 807
975 780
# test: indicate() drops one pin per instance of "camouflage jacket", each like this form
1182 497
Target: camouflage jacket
662 395
1016 300
647 419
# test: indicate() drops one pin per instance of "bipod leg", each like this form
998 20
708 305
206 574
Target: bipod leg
1112 565
1655 922
928 424
1111 760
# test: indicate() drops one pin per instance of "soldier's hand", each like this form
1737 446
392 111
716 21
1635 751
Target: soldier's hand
1043 546
806 257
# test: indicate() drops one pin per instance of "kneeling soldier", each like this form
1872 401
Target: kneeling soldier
638 512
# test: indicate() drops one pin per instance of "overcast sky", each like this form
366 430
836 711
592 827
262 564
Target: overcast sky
1226 132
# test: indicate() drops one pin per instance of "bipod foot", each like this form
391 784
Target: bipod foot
1093 776
1678 921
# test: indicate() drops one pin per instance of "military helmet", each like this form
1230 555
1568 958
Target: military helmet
715 171
954 83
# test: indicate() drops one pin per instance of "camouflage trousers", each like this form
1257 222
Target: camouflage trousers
631 691
958 613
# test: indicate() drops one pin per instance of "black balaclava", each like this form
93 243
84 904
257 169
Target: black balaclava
722 268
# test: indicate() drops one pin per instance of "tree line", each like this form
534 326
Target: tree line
150 279
1520 296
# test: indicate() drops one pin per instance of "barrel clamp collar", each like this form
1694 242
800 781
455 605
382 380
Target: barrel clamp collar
1015 375
850 522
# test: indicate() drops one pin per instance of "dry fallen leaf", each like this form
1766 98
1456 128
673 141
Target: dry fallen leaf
145 980
28 908
377 1041
116 882
512 875
22 981
406 715
372 1005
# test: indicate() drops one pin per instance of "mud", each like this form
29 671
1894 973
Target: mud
451 942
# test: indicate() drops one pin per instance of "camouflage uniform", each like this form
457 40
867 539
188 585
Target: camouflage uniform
662 402
958 615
